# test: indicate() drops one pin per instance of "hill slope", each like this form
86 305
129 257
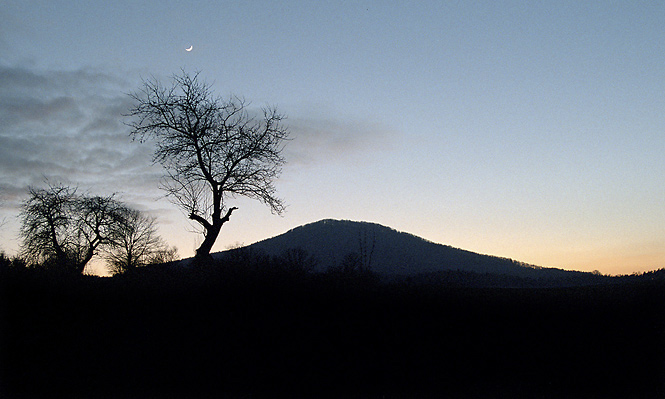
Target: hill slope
391 252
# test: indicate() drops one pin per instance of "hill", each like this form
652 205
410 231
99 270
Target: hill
393 253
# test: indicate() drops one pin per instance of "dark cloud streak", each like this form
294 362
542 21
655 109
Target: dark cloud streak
68 126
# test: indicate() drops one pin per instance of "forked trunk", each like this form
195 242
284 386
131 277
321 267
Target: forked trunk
212 232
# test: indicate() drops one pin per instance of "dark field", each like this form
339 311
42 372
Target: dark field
225 332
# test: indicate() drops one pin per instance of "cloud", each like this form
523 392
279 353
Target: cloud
68 126
316 139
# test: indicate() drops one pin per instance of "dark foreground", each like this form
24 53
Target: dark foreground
229 333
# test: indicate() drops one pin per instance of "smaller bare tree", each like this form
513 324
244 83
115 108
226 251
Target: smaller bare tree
164 255
136 243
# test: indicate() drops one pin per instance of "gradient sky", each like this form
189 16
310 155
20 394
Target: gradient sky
528 130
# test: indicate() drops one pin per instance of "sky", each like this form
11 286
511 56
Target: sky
528 130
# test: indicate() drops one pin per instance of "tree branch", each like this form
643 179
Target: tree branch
228 215
201 220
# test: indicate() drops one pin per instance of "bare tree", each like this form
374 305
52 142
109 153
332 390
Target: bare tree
164 254
212 149
136 243
63 229
99 221
47 229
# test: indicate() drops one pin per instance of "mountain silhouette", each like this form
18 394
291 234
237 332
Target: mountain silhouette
390 252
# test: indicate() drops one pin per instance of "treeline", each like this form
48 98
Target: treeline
461 278
353 268
255 326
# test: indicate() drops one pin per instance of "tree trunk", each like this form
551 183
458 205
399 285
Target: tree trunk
212 232
80 266
203 252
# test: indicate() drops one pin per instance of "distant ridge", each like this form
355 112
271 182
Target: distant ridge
391 252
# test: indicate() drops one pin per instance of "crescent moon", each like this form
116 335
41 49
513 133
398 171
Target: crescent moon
189 49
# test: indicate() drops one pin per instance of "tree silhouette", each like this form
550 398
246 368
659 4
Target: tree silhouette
164 254
62 229
212 149
47 229
137 243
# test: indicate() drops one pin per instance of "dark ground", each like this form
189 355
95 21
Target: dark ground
230 333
